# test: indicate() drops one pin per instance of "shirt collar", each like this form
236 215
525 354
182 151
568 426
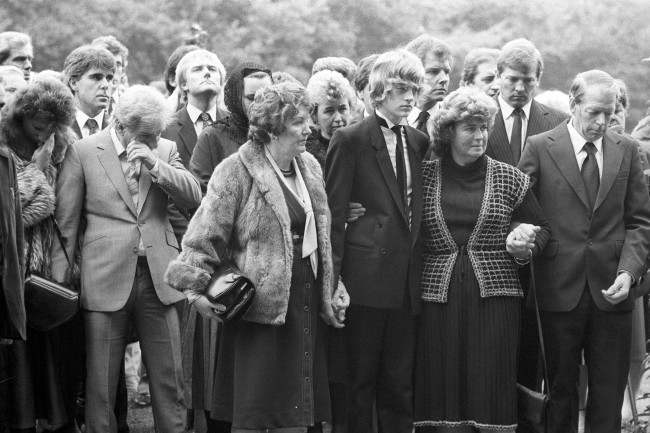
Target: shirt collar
82 118
388 122
578 141
507 109
116 142
194 112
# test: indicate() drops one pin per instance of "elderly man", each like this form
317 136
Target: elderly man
588 180
16 49
12 79
122 179
437 60
88 71
519 70
377 162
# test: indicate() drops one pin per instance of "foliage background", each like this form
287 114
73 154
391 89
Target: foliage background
573 35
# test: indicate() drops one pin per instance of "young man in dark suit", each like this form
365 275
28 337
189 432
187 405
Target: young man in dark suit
88 71
589 183
376 162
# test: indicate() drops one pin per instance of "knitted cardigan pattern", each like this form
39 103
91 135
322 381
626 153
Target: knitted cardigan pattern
495 270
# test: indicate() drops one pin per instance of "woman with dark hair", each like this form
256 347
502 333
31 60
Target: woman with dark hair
223 138
201 334
266 211
466 362
35 127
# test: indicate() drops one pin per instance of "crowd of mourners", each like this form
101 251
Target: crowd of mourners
400 237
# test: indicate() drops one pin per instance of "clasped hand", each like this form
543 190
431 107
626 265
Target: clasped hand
138 151
620 290
333 312
521 240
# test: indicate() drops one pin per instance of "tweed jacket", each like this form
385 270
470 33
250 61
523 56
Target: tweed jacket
495 270
244 218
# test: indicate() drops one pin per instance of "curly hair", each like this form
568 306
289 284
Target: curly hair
42 96
342 65
466 103
272 108
328 85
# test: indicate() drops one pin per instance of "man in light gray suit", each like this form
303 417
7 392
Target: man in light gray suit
121 179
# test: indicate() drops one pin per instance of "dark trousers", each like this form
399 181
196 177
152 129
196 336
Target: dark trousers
605 338
107 334
381 350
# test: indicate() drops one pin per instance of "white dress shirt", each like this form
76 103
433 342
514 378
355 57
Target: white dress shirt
391 145
578 142
412 118
509 119
82 118
195 114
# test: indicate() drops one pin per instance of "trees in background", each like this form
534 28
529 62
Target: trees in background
612 35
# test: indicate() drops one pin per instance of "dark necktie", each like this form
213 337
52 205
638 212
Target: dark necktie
421 124
400 163
515 137
92 126
205 119
590 174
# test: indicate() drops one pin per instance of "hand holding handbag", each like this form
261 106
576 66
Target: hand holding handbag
49 304
231 289
533 405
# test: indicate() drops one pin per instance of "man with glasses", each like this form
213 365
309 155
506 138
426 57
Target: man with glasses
376 162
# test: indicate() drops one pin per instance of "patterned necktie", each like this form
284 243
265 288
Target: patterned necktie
589 172
400 163
205 119
92 126
131 176
515 138
421 124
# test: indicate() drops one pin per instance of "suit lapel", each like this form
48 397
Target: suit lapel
561 151
186 132
498 141
416 183
535 122
385 165
75 128
108 159
612 157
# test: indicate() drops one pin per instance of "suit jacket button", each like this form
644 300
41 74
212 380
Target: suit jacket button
383 251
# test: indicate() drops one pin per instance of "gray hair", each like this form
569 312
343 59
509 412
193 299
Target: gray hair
591 78
143 111
6 70
328 85
342 65
10 41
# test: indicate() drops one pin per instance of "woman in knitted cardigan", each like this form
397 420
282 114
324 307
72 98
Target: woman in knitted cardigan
35 128
466 361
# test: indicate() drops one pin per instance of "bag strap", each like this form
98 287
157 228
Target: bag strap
59 235
540 334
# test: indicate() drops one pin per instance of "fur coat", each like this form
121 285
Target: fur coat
244 217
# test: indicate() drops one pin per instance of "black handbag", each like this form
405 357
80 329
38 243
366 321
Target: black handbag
49 304
230 288
533 405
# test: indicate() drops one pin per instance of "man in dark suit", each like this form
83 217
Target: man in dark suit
437 60
376 162
519 69
201 76
88 71
589 182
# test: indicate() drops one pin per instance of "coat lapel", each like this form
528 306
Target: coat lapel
416 183
385 166
108 159
535 121
498 141
561 151
612 158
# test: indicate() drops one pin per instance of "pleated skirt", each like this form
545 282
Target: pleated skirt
466 361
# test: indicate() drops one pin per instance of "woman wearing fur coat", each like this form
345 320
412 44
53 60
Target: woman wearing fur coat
266 211
35 129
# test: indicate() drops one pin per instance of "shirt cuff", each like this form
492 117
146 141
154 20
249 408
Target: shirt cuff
192 296
629 273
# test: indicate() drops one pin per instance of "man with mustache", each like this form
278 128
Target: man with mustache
437 60
88 71
589 183
377 162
